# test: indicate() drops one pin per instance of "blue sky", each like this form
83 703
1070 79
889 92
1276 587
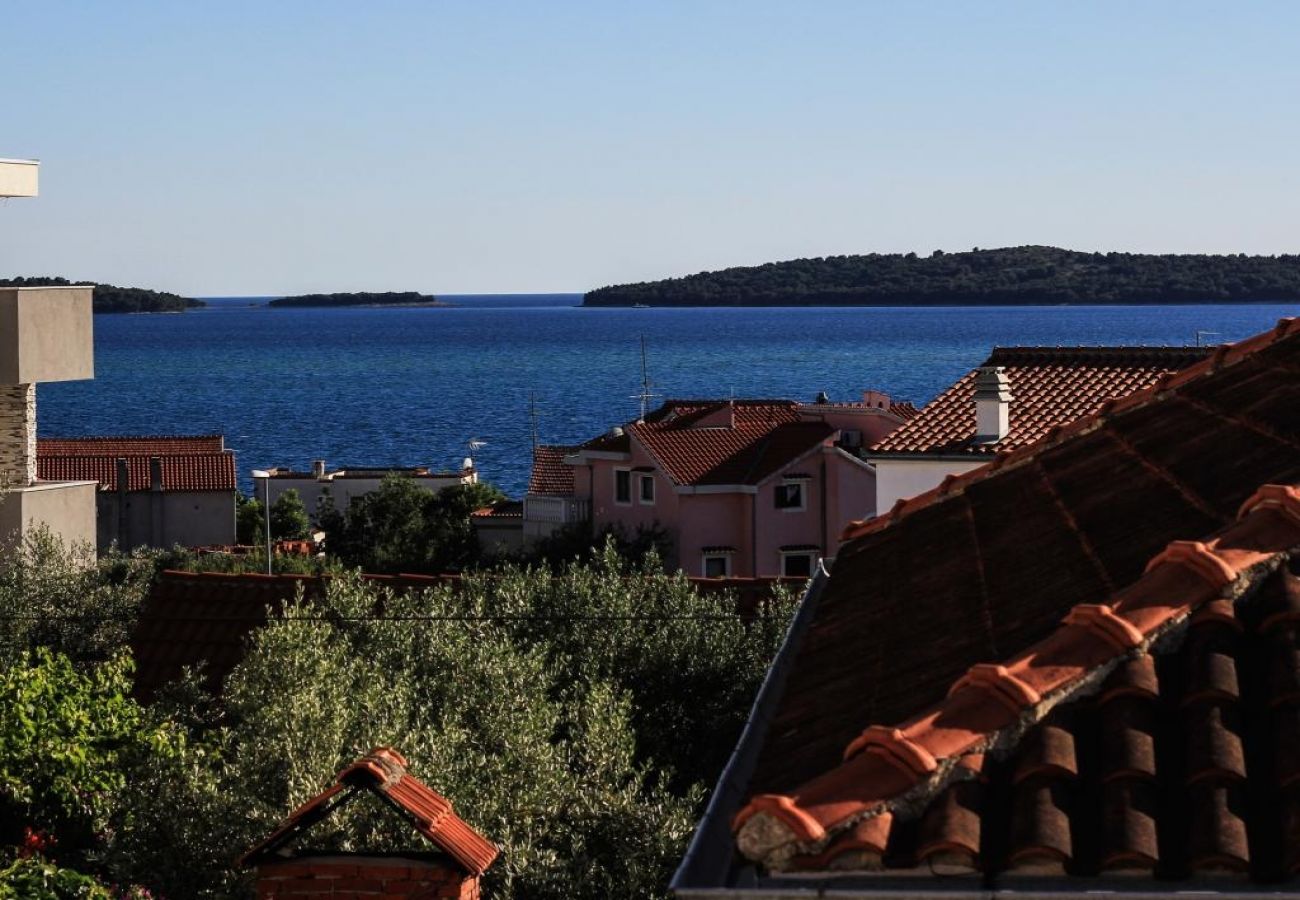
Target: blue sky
260 148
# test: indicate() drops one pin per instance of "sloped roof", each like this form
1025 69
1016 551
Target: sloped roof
188 463
551 476
988 565
1050 386
703 442
382 772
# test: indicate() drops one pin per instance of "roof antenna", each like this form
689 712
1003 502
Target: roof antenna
532 416
645 396
1201 334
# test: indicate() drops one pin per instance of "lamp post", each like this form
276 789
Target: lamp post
266 508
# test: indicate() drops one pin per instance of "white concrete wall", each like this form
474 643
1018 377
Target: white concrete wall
898 479
19 177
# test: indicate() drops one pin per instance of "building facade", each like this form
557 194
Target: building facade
152 491
738 488
344 485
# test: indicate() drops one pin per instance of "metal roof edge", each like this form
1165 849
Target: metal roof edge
697 874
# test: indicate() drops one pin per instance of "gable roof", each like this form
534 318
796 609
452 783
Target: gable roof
199 463
382 772
551 476
726 442
986 566
1050 386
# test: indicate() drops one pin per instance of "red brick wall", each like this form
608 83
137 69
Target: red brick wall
364 878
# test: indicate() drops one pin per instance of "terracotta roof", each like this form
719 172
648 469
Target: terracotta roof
383 773
134 445
960 620
904 409
551 475
502 509
700 442
187 463
1050 386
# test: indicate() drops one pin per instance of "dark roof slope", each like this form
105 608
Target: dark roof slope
1050 386
990 562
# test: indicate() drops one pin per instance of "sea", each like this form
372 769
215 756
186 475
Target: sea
407 386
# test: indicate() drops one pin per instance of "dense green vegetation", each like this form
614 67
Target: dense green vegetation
109 298
576 718
363 298
1011 276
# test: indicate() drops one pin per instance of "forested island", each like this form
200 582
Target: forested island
109 298
363 298
1010 276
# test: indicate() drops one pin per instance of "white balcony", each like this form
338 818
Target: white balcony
556 510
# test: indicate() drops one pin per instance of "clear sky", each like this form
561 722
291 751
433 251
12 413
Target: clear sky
278 147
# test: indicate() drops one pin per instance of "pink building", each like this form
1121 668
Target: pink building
742 487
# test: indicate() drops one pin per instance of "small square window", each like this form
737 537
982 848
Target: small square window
717 566
622 486
789 495
647 489
797 565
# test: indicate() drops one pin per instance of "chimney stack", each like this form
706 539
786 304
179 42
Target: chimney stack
992 404
318 469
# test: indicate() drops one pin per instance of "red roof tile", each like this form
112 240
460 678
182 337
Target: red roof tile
551 475
1050 386
699 442
383 773
187 463
1057 562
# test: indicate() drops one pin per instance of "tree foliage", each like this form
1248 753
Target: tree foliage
403 527
109 298
361 298
289 521
1030 275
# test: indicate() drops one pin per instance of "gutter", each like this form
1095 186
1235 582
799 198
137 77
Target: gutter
705 867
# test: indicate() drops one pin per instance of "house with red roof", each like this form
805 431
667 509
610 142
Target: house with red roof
1074 670
1011 400
741 487
154 491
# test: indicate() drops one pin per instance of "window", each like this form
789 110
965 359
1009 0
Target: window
648 489
622 486
790 495
717 565
797 565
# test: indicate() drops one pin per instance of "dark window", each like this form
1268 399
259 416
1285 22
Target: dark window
789 495
622 486
647 489
797 565
715 567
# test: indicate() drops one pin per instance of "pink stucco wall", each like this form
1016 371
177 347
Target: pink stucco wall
837 490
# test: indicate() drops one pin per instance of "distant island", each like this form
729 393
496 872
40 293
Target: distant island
390 298
109 298
1012 276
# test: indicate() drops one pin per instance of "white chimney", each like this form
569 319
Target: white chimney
992 404
318 469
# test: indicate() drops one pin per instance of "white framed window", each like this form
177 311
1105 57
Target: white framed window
623 487
798 563
791 495
716 565
646 490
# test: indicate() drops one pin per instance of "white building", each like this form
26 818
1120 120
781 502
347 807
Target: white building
345 485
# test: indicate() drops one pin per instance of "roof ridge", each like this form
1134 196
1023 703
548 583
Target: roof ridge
1223 356
993 705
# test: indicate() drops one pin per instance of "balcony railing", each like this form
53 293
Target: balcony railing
556 510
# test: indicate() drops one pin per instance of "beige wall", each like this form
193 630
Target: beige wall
19 177
67 508
46 334
899 479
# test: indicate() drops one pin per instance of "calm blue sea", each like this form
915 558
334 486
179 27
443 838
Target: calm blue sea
411 386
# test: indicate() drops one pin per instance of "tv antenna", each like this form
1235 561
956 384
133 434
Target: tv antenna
1201 334
532 416
646 395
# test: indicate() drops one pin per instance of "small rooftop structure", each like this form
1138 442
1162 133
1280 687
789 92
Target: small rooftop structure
19 177
462 854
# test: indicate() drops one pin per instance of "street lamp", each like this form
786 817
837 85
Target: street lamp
266 507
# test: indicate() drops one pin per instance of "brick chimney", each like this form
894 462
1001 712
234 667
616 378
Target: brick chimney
992 404
450 870
334 876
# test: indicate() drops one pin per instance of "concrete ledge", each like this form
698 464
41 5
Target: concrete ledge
46 334
67 508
